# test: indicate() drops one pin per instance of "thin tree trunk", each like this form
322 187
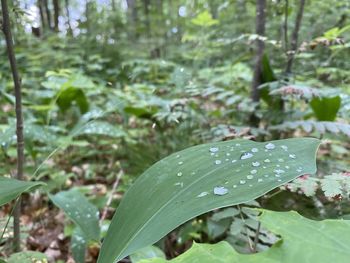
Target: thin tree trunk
56 9
70 31
48 13
87 15
113 5
133 16
285 25
19 119
294 38
260 46
42 15
146 5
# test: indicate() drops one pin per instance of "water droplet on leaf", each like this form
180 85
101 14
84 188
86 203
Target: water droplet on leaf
220 190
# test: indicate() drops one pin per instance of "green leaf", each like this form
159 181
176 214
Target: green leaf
27 257
200 179
327 241
78 245
325 109
204 19
99 128
10 189
80 211
71 95
147 253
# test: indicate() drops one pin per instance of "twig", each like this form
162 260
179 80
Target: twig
246 228
19 119
8 220
256 238
110 198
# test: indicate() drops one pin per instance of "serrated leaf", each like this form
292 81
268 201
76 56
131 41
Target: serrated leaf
11 188
200 179
327 241
80 211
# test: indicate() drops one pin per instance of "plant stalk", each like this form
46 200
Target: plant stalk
6 27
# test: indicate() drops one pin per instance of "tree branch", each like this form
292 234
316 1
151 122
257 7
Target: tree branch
294 40
19 119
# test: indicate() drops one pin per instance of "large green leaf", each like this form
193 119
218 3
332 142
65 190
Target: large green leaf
80 211
10 189
200 179
326 241
326 109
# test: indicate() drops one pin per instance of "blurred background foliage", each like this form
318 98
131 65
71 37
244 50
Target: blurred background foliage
116 85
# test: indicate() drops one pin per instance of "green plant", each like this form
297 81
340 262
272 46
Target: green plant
199 179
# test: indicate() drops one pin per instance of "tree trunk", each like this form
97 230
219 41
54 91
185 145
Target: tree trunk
133 16
113 5
146 6
260 46
48 13
56 9
19 119
294 38
42 15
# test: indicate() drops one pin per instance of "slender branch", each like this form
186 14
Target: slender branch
110 198
19 119
294 38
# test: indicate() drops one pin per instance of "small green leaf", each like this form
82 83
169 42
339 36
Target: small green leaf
28 257
325 108
200 179
80 211
10 189
68 96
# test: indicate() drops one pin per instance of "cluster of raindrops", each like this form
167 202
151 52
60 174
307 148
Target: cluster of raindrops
275 170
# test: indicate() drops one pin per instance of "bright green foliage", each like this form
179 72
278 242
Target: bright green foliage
147 253
80 211
200 179
10 188
204 19
326 242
